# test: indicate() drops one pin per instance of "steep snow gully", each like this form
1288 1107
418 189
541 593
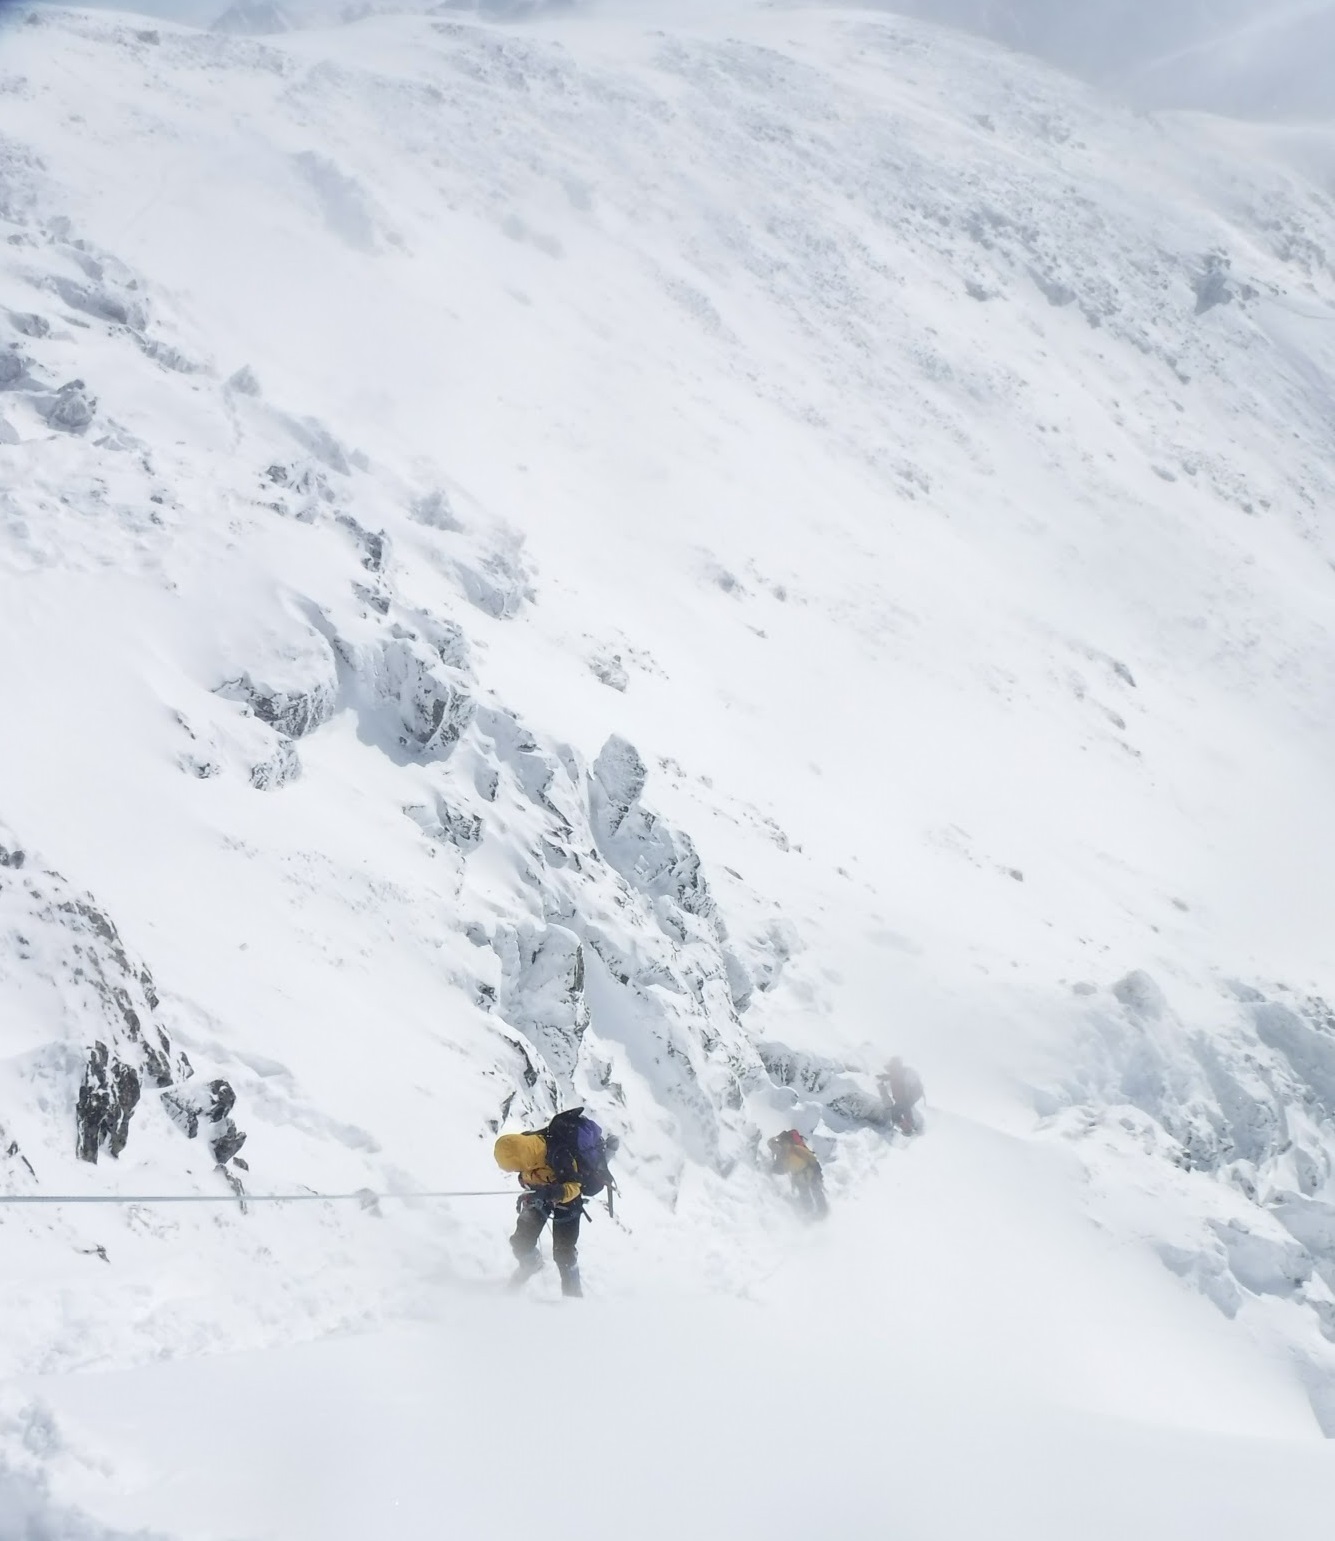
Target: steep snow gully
657 562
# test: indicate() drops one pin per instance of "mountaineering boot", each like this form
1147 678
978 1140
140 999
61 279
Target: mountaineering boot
570 1284
526 1265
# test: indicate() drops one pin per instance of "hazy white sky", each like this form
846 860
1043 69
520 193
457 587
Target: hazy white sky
1271 58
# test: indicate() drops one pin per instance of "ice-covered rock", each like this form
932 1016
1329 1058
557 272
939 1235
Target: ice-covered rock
1309 1051
495 587
245 381
435 510
1246 1096
13 369
845 1095
659 861
542 992
447 823
1263 1264
69 409
279 769
609 668
294 707
102 303
619 775
29 323
432 702
1208 1270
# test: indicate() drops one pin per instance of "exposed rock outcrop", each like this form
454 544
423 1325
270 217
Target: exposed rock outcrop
293 711
206 1107
69 409
58 941
107 1100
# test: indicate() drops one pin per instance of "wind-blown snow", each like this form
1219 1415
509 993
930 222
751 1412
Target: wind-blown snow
659 566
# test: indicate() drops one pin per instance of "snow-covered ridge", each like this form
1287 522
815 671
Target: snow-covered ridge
654 566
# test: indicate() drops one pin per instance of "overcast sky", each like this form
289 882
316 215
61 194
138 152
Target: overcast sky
1268 58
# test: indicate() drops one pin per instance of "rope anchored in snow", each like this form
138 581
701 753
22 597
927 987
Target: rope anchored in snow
361 1196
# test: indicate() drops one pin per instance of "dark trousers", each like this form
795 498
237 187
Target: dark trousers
905 1117
809 1189
534 1213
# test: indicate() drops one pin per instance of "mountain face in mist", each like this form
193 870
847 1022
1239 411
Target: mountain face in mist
1236 57
656 566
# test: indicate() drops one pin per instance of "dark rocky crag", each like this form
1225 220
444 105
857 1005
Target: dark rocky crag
66 951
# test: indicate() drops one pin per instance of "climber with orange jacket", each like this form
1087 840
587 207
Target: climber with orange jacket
558 1168
792 1157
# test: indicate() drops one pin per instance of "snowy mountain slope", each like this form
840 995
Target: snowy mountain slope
661 565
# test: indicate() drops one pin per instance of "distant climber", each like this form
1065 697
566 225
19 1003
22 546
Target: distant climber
901 1087
559 1167
794 1158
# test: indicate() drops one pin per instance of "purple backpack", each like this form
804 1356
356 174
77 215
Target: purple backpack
578 1150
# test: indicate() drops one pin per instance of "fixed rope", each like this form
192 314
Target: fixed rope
362 1196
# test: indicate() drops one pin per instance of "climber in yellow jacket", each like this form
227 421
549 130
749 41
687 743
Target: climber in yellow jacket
526 1154
557 1167
792 1157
